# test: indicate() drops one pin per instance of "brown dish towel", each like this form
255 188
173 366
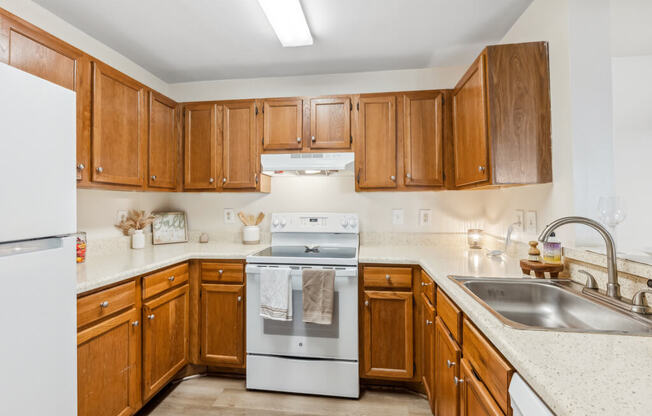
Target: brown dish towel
318 288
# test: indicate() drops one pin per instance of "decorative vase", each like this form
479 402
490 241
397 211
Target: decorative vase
138 239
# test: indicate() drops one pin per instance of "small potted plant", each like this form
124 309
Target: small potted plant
134 224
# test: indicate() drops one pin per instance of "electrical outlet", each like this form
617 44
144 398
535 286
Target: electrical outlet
397 217
229 216
120 216
531 222
520 218
425 217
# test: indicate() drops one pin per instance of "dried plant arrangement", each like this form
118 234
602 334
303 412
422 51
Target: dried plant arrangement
136 220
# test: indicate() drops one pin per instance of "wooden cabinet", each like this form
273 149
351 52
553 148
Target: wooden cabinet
475 399
283 124
376 152
108 359
201 146
388 334
428 348
501 135
163 143
240 157
165 338
447 372
119 135
222 325
423 138
330 123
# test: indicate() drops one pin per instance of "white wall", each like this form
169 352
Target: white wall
44 19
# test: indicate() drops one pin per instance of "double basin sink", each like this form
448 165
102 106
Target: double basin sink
554 305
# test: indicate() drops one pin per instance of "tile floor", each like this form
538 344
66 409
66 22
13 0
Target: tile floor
228 397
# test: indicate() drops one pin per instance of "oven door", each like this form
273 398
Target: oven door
296 338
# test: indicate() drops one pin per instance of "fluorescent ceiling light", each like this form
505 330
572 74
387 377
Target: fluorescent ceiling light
288 21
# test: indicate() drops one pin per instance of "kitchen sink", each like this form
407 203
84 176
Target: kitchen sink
556 305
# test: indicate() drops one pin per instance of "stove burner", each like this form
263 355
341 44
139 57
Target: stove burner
312 249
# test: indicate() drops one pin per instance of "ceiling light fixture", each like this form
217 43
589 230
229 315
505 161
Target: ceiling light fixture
288 21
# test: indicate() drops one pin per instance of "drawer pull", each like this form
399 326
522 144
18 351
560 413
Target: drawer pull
135 323
150 317
104 304
450 363
387 276
171 278
220 272
458 381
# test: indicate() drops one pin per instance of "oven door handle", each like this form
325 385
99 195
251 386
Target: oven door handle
339 272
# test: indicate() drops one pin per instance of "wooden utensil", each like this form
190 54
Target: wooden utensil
242 217
260 218
250 220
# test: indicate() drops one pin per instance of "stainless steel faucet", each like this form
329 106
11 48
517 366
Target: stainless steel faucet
613 288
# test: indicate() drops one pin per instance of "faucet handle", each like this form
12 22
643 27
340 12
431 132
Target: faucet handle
590 280
639 302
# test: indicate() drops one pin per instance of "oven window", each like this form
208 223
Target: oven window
297 327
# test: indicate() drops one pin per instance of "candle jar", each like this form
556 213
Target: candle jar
81 247
474 238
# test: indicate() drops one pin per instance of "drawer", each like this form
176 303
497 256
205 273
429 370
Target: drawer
450 314
94 307
222 272
428 287
388 277
492 369
163 280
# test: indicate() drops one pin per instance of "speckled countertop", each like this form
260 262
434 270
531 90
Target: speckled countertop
575 374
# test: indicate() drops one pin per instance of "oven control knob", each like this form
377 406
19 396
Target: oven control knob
345 223
275 222
352 222
283 222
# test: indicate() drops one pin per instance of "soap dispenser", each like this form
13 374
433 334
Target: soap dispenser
552 250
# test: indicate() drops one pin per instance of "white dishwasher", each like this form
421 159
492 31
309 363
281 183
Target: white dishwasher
525 401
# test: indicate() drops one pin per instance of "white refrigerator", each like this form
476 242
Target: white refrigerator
38 351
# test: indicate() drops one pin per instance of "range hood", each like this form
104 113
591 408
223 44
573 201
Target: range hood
307 163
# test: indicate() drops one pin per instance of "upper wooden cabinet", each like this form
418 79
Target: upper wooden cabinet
119 136
163 142
501 118
330 123
201 146
283 124
239 155
423 138
376 153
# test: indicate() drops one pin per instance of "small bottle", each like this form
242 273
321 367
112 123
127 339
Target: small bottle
552 250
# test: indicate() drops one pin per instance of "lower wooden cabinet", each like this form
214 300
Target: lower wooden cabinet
447 372
222 325
428 348
165 339
475 399
108 359
388 335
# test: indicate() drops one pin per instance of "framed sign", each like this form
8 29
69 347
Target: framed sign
169 227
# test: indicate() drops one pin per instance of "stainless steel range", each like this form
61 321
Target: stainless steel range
295 356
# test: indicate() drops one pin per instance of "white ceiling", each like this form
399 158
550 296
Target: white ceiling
193 40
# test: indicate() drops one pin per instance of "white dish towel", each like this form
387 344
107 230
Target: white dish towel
276 293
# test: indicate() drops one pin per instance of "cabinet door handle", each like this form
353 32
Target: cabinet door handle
393 178
313 139
387 276
81 166
428 322
223 180
171 278
425 284
220 272
481 169
239 298
458 381
104 304
211 180
153 177
256 178
450 363
99 169
135 323
408 176
357 178
366 303
150 317
298 139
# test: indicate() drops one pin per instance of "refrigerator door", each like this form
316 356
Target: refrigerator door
37 157
38 350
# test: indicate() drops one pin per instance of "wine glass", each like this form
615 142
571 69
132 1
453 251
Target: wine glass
612 212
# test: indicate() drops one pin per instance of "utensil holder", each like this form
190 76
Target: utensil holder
251 234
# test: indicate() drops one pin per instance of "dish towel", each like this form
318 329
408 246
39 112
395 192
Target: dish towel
276 294
318 288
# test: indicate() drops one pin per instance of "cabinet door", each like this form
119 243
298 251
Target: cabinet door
119 136
470 115
428 350
330 123
388 335
107 362
423 120
222 325
447 372
475 399
163 142
377 147
283 124
165 339
239 143
200 165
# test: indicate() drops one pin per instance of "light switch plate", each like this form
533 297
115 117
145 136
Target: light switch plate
398 217
425 217
520 217
531 222
229 216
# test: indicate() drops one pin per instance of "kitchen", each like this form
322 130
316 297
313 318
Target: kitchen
401 153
